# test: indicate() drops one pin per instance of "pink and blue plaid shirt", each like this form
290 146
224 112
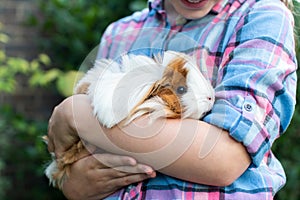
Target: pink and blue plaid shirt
246 49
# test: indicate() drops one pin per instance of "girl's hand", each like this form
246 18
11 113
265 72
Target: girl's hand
90 179
93 176
62 132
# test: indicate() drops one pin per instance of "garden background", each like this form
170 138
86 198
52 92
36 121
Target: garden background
42 44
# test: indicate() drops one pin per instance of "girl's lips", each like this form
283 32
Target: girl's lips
194 1
194 4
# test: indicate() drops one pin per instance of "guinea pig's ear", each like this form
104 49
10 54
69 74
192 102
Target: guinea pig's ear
169 71
176 66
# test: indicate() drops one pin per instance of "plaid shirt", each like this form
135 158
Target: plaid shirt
246 49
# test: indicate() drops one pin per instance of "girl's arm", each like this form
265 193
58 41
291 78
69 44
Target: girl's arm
202 153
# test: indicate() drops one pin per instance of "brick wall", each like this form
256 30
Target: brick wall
37 103
13 14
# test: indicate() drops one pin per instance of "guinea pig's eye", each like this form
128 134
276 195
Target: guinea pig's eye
181 90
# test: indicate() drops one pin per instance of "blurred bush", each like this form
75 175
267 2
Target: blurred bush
72 28
21 147
23 157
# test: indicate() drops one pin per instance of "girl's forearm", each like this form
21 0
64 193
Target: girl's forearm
186 149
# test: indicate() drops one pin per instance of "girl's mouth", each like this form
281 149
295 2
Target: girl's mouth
194 4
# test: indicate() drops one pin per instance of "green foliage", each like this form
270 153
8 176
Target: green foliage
22 158
287 150
4 180
65 84
3 37
22 152
72 28
12 67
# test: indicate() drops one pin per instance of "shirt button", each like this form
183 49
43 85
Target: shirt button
248 107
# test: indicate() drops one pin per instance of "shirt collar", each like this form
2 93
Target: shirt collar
219 6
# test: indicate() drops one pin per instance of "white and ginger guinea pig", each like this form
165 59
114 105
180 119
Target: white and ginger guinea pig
169 85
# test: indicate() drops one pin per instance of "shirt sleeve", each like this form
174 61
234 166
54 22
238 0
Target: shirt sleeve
255 93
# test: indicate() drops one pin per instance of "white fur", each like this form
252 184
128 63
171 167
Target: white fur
117 88
50 170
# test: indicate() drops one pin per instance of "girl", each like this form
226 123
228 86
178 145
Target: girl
246 49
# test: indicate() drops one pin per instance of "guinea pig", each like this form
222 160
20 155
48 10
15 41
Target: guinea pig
181 92
169 85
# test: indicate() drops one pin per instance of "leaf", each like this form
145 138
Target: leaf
4 38
18 65
2 56
34 65
36 79
43 58
5 72
7 85
51 75
42 78
65 83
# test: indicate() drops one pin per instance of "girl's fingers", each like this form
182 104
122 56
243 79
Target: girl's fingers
122 164
127 180
112 161
139 168
128 170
